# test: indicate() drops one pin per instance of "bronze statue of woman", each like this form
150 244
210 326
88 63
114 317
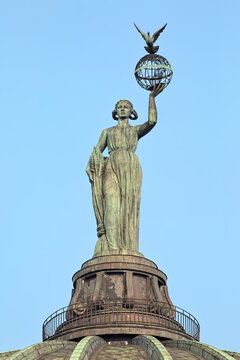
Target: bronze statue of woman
116 180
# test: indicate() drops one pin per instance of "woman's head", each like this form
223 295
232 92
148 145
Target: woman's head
124 109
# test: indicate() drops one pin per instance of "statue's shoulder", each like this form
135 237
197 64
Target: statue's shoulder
137 127
109 129
105 131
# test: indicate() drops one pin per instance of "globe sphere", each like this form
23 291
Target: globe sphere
153 69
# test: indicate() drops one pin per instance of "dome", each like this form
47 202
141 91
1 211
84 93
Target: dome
142 347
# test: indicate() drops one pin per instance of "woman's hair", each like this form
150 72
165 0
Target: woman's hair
129 103
133 115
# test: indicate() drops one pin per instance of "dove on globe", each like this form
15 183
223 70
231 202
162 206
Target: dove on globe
150 40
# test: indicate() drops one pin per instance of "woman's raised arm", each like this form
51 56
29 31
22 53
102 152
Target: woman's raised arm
152 113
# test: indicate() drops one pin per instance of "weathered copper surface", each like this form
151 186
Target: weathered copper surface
121 348
120 294
116 179
152 70
150 40
109 318
178 354
126 277
120 352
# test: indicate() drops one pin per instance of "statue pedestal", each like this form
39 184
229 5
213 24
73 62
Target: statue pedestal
114 277
120 296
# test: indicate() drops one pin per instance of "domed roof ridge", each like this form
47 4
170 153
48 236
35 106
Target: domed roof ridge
153 346
234 354
86 347
34 351
205 351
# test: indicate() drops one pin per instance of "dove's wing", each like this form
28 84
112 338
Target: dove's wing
141 32
157 33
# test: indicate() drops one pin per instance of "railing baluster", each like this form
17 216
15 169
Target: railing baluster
117 312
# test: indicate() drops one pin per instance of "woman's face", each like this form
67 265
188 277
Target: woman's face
123 110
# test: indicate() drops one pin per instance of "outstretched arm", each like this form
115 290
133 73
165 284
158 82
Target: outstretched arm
152 113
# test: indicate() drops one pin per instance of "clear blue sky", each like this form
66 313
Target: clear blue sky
64 64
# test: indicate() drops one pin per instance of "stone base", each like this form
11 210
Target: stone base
119 277
120 295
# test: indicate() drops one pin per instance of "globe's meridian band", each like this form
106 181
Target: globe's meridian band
155 78
154 66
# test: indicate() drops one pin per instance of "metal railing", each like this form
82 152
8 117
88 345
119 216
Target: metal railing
120 313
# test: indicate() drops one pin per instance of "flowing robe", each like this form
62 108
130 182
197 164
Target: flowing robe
117 189
122 188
